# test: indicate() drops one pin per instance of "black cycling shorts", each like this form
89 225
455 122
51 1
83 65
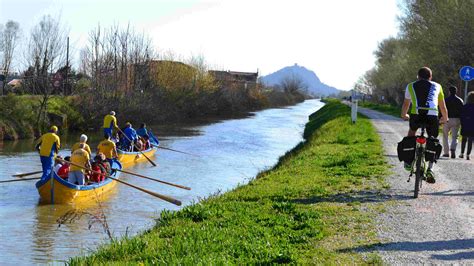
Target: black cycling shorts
431 123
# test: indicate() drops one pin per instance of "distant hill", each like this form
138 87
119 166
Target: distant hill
315 86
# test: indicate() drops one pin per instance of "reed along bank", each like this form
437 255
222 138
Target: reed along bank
310 208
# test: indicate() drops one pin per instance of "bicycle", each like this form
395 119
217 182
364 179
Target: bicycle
419 162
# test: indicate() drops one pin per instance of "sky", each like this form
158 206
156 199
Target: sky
334 38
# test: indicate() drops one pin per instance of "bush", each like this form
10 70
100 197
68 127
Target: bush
20 113
64 106
17 117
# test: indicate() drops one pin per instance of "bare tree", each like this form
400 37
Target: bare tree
112 50
9 36
46 54
116 58
141 54
84 60
91 54
202 79
363 85
293 84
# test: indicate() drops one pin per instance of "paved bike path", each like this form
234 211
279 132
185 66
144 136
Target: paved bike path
436 228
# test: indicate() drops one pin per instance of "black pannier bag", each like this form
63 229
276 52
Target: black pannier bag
433 150
406 149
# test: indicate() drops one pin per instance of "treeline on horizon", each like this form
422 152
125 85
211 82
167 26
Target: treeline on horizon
119 70
436 33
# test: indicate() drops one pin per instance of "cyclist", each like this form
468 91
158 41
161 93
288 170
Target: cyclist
425 96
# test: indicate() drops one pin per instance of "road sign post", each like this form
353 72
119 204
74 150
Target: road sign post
465 91
467 74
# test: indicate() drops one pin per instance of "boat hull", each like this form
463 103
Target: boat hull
55 190
129 158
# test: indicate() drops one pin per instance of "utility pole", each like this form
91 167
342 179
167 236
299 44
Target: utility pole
3 80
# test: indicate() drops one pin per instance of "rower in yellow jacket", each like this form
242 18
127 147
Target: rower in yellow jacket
48 146
83 140
110 122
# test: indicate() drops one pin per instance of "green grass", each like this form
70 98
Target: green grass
384 108
20 112
316 204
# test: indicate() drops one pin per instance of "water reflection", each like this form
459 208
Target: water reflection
231 152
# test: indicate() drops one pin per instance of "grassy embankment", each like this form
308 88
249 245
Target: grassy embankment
19 114
384 108
312 205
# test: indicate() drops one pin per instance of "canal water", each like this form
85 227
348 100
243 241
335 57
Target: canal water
231 152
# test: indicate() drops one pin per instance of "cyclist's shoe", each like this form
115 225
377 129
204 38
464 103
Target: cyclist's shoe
430 176
461 155
407 167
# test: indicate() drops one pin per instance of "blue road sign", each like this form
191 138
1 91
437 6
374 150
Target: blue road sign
467 73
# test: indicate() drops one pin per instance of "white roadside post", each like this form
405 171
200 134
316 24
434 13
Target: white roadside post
354 107
467 74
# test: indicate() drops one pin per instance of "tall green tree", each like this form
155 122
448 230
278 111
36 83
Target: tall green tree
436 33
440 34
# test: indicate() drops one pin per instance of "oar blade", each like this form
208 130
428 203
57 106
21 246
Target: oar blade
163 197
27 174
169 149
168 199
154 179
16 180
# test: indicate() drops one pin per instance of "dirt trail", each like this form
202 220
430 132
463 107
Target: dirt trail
436 228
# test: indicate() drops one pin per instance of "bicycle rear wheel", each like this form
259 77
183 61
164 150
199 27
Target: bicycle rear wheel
418 176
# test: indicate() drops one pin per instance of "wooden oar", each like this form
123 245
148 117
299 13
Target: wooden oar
157 180
159 147
27 174
163 197
136 147
23 179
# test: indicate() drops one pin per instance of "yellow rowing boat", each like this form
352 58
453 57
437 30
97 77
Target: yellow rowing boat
129 158
55 190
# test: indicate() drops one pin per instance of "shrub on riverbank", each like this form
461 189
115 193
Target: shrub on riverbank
306 210
16 117
19 115
159 107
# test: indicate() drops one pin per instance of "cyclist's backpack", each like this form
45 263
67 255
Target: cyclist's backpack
433 150
406 149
